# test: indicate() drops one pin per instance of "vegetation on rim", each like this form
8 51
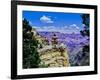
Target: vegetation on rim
30 54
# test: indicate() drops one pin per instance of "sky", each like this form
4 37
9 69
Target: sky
54 21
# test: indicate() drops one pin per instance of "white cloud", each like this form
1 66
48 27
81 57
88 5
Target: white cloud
74 26
77 27
46 19
30 22
64 29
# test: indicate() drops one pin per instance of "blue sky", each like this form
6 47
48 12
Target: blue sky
54 21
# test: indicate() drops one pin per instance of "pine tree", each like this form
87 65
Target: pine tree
30 54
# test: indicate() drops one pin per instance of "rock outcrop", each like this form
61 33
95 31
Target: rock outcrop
54 57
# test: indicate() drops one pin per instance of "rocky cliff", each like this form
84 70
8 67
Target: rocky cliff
52 55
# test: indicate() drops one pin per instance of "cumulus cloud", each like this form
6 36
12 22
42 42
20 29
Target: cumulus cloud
46 19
